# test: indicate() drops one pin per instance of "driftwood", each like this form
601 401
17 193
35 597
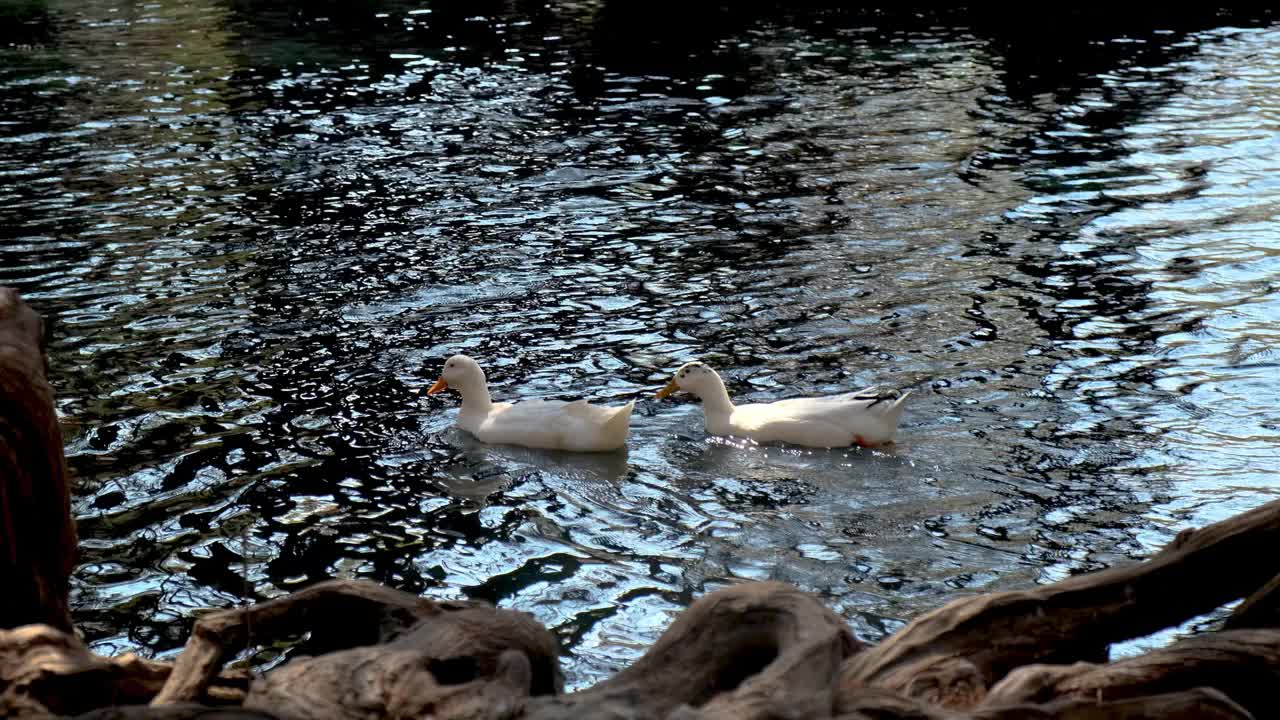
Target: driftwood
1243 661
1199 703
175 712
1259 610
746 652
37 538
749 651
393 654
951 656
43 669
743 652
1244 664
765 650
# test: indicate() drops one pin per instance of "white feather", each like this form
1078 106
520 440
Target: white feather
868 417
545 424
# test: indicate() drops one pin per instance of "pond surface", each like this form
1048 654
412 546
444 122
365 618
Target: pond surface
258 229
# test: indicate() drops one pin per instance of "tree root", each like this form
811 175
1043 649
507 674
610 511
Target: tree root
45 670
37 536
952 655
747 652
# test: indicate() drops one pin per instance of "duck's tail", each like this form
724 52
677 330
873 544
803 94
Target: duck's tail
620 422
885 401
888 408
895 410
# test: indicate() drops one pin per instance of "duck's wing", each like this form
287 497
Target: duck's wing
873 401
522 422
867 397
582 410
871 397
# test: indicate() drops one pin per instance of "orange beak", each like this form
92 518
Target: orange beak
439 387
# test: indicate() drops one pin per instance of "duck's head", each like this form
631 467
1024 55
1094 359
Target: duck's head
695 378
459 372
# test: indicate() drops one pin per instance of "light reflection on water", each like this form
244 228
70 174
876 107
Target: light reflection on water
1194 227
259 246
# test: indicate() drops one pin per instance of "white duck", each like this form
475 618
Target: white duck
868 418
546 424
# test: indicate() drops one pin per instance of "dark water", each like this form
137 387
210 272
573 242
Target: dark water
259 227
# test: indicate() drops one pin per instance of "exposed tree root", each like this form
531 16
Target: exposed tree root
43 669
37 537
951 656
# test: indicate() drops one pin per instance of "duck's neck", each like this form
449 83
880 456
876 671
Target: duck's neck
475 397
716 405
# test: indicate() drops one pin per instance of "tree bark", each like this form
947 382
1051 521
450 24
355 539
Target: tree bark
386 654
1195 704
37 537
175 712
761 649
952 655
746 652
1244 664
45 670
341 614
1259 610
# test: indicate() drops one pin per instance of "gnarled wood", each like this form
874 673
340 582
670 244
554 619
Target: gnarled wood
1243 664
368 683
757 650
766 650
952 655
342 614
175 712
749 641
471 662
1259 610
1194 704
796 685
43 670
37 537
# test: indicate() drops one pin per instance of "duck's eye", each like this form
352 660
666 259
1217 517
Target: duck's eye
449 365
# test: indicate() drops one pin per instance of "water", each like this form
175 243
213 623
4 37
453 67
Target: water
259 228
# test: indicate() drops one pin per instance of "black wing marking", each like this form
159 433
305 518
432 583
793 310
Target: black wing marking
877 395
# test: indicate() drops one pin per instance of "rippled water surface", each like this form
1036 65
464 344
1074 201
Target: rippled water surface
259 227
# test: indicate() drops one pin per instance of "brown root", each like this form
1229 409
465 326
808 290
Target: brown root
951 655
37 536
45 670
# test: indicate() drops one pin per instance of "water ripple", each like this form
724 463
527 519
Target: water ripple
256 242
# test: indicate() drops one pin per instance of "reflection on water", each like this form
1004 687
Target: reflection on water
259 229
